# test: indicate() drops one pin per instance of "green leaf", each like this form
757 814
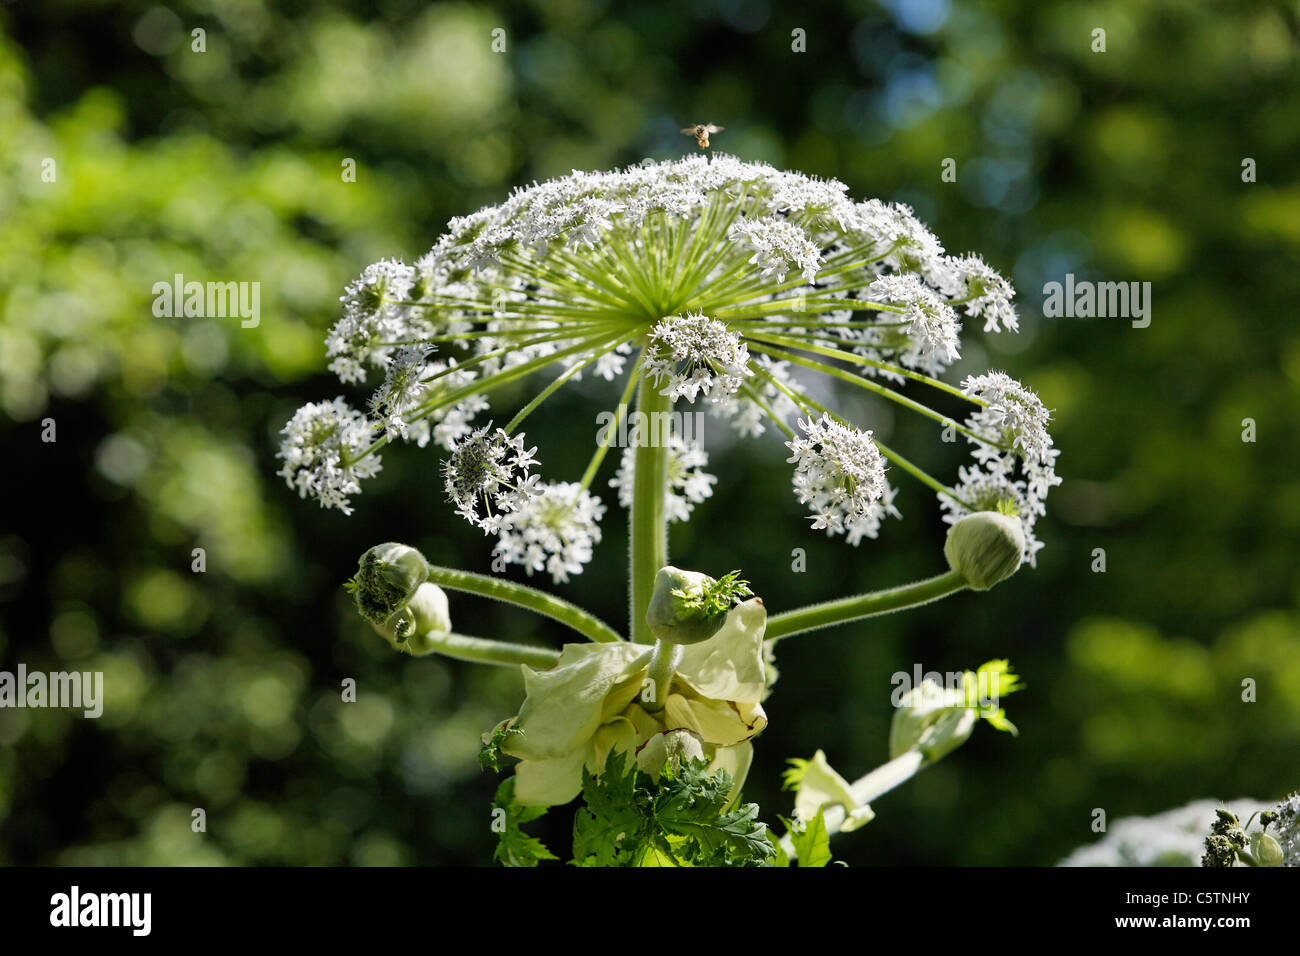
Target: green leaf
610 829
628 820
514 847
489 756
781 858
812 844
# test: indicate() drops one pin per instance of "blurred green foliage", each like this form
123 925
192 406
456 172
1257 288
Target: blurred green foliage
223 688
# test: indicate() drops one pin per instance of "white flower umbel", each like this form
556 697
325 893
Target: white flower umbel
490 468
700 277
325 453
972 283
840 474
696 355
1016 463
401 390
688 484
1286 829
371 320
552 531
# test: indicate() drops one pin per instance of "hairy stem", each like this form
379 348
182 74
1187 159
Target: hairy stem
649 525
480 650
585 623
854 608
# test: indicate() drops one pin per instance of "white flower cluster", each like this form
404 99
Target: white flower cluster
932 331
840 473
745 412
778 245
553 531
1016 463
688 484
372 317
983 291
322 452
696 355
490 468
1286 829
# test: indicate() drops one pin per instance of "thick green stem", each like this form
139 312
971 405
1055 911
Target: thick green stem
649 524
480 650
815 616
586 624
663 662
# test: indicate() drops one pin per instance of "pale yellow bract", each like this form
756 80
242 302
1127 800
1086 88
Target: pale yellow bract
589 704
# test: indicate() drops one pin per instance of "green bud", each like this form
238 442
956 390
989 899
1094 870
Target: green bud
1219 851
1266 850
387 578
424 620
688 607
985 547
669 749
931 719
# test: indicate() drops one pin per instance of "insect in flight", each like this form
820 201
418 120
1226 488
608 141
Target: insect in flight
701 133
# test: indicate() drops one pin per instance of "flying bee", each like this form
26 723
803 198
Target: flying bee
701 133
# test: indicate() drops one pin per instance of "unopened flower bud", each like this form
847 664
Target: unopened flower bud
429 619
688 607
1265 850
672 748
932 719
985 547
387 578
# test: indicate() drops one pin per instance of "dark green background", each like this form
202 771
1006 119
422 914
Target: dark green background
223 687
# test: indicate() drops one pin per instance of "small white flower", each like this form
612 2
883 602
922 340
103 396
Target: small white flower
489 468
373 315
1014 416
1173 838
401 390
933 330
688 484
696 355
745 414
322 452
981 289
553 530
1286 829
840 473
778 245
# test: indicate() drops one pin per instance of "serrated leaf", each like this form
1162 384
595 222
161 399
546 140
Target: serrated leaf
812 844
514 847
683 821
